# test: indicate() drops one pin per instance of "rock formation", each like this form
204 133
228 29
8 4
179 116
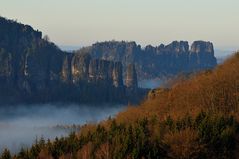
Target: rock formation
163 60
131 77
33 69
202 55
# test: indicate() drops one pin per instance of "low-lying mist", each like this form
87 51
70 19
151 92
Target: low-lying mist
150 83
21 125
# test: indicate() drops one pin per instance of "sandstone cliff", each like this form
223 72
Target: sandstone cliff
33 69
163 60
131 77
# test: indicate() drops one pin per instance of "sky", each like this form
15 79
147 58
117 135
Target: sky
83 22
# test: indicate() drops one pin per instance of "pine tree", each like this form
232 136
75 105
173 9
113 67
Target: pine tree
6 154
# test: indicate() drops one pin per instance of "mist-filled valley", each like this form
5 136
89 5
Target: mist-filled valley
21 125
150 83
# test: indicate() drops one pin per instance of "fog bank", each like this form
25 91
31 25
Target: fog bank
21 125
150 83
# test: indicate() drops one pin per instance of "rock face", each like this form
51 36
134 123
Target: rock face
35 70
159 61
117 74
131 77
202 55
32 69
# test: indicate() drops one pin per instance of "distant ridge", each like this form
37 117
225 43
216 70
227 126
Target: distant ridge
159 61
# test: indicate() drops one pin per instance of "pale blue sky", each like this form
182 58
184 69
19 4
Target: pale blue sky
83 22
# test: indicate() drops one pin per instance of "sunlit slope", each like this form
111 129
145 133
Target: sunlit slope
214 91
196 118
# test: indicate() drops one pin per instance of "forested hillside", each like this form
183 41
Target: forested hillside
195 118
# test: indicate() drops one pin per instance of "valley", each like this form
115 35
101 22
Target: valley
22 125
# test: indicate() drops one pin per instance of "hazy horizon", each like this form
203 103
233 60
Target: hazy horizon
82 23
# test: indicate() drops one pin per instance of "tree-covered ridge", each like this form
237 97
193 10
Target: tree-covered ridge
205 136
11 31
196 118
